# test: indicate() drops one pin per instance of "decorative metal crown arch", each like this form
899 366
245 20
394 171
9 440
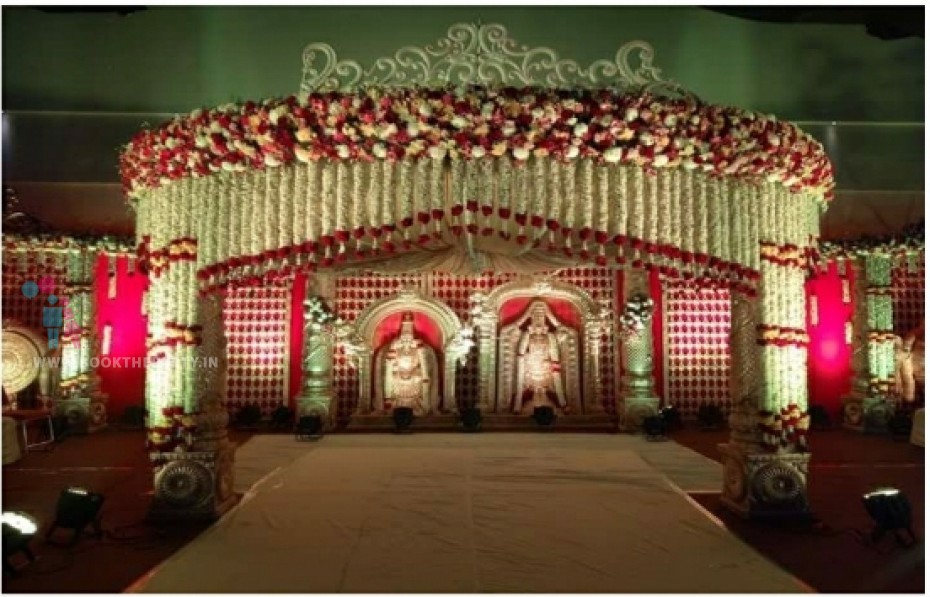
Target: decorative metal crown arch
486 55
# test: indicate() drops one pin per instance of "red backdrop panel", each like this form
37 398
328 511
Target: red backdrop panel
829 371
122 370
513 309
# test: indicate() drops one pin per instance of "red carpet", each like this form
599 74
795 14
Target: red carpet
844 466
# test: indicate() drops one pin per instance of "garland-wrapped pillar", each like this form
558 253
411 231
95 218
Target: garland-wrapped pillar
637 398
196 481
766 459
869 407
82 401
317 395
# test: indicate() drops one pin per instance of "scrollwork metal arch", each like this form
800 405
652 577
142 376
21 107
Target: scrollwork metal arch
486 55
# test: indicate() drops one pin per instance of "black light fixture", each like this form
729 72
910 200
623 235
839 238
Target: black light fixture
471 419
891 511
544 415
309 427
18 531
671 416
710 417
899 425
654 427
77 509
403 418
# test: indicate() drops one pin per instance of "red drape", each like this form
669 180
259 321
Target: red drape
298 294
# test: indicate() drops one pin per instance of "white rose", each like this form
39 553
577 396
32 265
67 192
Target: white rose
202 141
425 110
228 167
413 129
477 152
571 121
277 113
646 139
459 122
660 160
437 152
689 164
572 152
342 151
613 155
580 130
521 153
538 113
508 129
671 120
631 114
302 154
379 150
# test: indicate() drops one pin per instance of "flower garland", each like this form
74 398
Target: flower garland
176 435
909 241
318 315
784 430
474 123
106 244
636 314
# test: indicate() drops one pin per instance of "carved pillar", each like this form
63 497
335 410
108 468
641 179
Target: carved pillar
766 460
317 396
637 398
593 376
195 482
82 401
485 322
869 406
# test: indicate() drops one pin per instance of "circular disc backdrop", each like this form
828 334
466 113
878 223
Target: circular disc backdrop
20 359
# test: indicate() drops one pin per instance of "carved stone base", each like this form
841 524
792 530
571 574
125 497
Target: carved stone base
632 410
317 399
193 485
764 485
869 414
85 414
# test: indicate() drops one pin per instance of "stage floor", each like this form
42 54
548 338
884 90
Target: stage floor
535 512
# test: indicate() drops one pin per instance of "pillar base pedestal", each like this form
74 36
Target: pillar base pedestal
632 410
867 414
763 484
192 485
317 403
85 414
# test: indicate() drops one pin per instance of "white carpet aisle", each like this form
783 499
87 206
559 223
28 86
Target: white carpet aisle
527 512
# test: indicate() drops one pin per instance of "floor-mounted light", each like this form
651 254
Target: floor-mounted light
18 531
891 511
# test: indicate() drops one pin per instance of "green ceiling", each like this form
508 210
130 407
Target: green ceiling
123 71
175 59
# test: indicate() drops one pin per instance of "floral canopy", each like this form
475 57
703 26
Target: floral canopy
477 168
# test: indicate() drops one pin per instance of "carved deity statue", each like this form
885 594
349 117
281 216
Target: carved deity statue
540 347
909 364
406 373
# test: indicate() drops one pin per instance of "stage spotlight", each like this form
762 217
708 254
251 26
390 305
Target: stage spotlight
18 531
891 511
309 427
544 415
654 427
403 418
471 419
671 416
77 509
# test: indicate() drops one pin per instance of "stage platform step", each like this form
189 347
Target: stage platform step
489 422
